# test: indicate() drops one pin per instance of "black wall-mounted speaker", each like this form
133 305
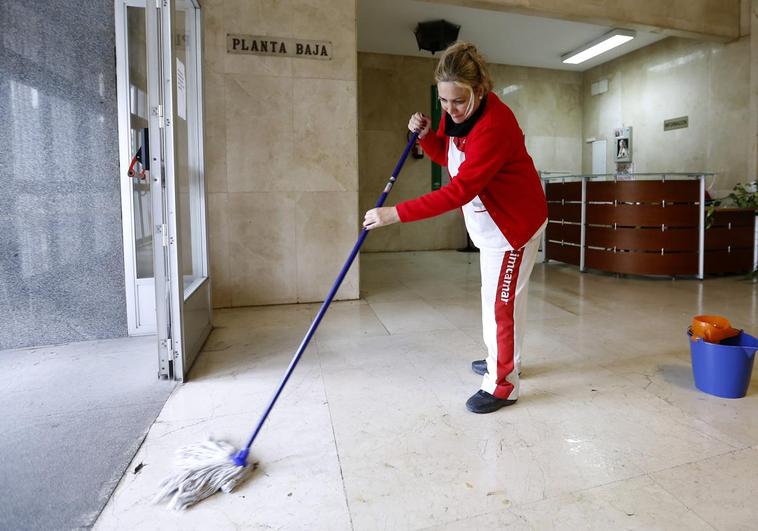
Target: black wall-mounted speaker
436 35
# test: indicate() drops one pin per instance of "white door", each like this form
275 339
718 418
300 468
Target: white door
183 300
599 157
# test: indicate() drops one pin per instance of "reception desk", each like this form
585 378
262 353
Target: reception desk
647 224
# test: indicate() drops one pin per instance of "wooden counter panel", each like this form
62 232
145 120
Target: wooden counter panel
644 191
643 239
636 211
640 263
738 218
563 253
643 215
562 232
738 261
568 191
567 212
722 237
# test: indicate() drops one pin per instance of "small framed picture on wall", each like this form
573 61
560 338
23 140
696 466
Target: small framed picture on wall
623 144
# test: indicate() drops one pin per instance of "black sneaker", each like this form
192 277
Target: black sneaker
479 367
483 402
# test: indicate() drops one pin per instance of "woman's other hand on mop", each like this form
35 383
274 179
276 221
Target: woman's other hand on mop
420 123
379 217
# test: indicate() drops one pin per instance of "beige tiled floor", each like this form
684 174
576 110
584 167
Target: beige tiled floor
372 433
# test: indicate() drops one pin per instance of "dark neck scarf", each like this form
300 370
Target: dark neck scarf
464 128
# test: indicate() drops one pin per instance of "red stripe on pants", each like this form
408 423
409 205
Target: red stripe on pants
505 303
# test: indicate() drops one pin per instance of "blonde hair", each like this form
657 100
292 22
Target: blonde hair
462 64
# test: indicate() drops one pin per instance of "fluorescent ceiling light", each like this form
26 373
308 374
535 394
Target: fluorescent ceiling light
592 49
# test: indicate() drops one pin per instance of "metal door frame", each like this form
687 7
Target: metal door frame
158 193
181 342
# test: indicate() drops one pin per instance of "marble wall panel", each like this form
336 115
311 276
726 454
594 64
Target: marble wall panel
258 17
340 18
214 37
708 82
262 248
278 130
259 123
214 113
391 89
326 231
325 144
218 243
729 113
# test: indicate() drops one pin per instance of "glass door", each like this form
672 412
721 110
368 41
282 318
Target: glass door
181 265
193 291
131 47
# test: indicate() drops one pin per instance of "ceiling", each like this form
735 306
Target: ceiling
386 26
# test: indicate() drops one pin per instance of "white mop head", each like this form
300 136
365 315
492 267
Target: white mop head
205 469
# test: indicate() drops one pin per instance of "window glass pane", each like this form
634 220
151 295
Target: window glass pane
137 55
188 164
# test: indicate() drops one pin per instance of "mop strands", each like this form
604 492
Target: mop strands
205 469
214 465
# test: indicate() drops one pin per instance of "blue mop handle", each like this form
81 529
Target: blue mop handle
241 458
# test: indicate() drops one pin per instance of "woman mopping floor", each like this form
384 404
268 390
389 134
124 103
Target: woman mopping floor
494 181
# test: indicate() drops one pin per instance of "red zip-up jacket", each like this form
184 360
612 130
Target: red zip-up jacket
497 169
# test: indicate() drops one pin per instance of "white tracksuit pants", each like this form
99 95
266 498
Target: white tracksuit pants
505 284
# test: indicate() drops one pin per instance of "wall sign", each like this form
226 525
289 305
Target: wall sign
278 46
599 87
676 123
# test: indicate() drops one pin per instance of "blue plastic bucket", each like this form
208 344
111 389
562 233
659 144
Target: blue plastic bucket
724 369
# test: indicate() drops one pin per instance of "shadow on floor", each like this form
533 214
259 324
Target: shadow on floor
73 416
